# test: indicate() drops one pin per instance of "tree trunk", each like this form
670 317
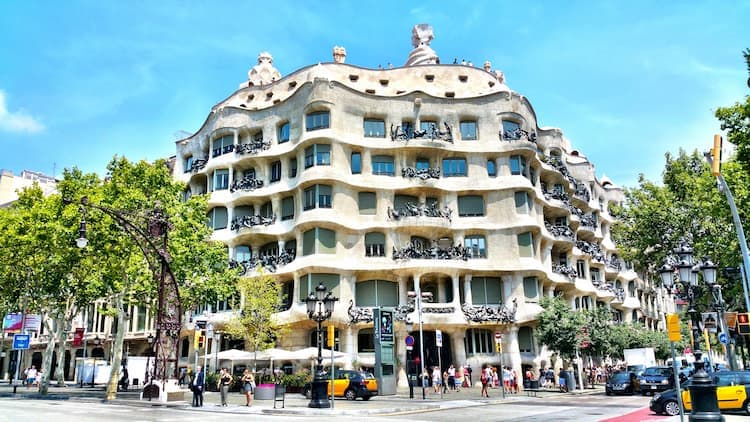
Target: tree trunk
63 327
116 357
47 361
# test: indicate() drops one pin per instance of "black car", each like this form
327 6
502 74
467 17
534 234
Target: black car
666 402
621 383
656 379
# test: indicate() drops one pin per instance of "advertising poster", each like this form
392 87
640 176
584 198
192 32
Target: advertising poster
12 323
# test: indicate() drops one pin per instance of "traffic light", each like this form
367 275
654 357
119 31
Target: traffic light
743 323
716 156
331 336
201 341
196 340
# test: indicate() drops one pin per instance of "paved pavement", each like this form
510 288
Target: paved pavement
296 404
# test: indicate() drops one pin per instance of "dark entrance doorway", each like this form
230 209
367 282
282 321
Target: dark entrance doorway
431 351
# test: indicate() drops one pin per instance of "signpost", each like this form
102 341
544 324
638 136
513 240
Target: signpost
409 340
439 344
21 341
499 348
673 330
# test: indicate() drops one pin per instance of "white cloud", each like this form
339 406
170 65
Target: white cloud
17 121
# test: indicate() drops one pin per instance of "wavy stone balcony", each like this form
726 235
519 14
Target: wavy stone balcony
249 221
591 249
432 133
422 174
565 270
517 135
253 147
417 251
560 232
247 183
411 209
269 262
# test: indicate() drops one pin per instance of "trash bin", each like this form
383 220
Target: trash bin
534 384
526 383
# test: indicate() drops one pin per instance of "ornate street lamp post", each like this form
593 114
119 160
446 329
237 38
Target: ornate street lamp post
320 308
147 376
149 231
705 406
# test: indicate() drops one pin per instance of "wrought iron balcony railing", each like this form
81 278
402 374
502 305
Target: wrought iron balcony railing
247 183
249 221
424 174
411 209
253 147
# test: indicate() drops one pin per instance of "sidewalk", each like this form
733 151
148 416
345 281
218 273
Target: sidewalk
297 404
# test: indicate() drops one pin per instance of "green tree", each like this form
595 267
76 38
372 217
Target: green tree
559 326
256 323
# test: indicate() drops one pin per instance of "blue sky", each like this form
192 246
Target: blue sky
81 81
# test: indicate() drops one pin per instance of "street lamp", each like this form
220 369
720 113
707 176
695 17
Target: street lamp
147 377
149 230
702 388
320 308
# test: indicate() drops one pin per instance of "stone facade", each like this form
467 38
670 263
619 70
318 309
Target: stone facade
432 178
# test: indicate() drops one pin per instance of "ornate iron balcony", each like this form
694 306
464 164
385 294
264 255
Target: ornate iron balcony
411 209
517 135
432 133
359 314
565 270
251 221
589 221
614 263
198 165
591 249
581 191
489 313
253 147
559 231
424 174
416 251
247 183
268 262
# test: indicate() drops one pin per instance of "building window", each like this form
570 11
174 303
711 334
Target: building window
266 210
525 340
374 128
408 129
595 276
518 165
475 246
275 171
479 341
491 168
188 164
453 167
562 259
283 132
318 196
366 341
561 221
249 173
223 145
422 164
318 240
531 288
317 120
374 244
523 202
376 293
217 218
367 203
526 245
486 291
318 155
269 249
308 283
292 167
221 179
242 253
468 130
382 165
470 206
287 208
429 127
356 163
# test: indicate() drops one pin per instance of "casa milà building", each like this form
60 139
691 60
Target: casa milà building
427 177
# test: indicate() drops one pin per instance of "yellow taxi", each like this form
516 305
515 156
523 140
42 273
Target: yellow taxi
732 391
350 385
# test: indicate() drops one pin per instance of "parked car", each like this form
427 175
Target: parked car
656 379
666 402
732 391
350 385
622 383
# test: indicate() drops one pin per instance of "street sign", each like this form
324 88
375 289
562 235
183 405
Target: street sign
498 336
731 320
21 341
409 340
743 323
723 338
439 338
210 330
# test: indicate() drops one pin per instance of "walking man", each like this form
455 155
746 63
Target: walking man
198 383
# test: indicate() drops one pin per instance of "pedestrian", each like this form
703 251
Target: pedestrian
197 384
436 379
562 382
467 370
30 376
124 380
495 378
459 377
514 381
506 379
38 379
485 382
445 381
248 386
452 377
225 380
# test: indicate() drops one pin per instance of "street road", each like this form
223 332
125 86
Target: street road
587 408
